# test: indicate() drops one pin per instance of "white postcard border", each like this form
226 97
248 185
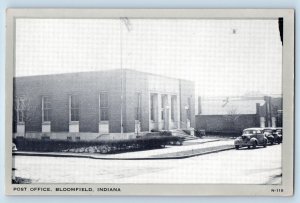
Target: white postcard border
286 189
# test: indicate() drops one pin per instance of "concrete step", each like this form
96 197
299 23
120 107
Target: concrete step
183 134
190 138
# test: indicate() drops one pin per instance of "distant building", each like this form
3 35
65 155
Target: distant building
233 114
88 105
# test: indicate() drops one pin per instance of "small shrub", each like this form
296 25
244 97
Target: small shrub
199 133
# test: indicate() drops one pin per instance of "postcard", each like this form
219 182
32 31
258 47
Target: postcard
150 102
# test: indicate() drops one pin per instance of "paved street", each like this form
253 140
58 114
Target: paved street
254 166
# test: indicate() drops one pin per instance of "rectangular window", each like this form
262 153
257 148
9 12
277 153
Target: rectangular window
103 106
20 109
138 106
173 107
46 109
152 101
74 108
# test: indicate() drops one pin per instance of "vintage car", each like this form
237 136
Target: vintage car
272 135
251 137
14 147
279 132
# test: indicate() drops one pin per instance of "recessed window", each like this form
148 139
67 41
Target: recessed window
152 101
21 109
103 106
74 108
46 109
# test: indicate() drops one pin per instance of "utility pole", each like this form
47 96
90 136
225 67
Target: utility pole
121 64
127 24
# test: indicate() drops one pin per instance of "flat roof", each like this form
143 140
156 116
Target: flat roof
101 71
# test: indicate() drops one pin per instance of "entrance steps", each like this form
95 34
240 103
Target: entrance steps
184 134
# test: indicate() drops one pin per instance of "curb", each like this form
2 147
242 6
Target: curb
208 141
108 158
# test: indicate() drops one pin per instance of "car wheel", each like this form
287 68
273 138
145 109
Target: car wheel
254 145
265 145
237 146
249 147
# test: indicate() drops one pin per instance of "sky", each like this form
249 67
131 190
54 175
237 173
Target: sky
222 57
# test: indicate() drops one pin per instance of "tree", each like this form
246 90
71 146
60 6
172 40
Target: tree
230 118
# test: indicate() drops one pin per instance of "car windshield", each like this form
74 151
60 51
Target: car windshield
251 131
248 132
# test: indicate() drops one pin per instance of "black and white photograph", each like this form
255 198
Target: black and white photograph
129 100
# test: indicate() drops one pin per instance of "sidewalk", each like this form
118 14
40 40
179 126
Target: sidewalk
189 149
